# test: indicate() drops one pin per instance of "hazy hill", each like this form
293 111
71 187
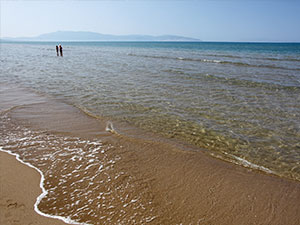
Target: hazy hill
92 36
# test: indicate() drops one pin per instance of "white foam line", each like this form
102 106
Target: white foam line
246 163
44 193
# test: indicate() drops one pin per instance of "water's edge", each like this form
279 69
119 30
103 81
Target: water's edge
44 192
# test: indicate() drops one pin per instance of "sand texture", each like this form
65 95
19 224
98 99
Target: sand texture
19 188
124 177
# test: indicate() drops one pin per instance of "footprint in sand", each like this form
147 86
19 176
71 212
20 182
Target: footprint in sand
14 205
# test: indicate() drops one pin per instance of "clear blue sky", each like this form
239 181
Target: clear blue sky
208 20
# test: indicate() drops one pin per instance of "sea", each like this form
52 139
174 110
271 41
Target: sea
237 102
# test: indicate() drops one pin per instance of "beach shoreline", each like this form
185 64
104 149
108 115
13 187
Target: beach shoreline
155 182
19 192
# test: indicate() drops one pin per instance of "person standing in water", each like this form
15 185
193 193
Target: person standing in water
61 50
57 50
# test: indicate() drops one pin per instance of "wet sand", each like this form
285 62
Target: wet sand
139 180
19 188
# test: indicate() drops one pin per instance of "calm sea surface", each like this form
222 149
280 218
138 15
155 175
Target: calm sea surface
238 101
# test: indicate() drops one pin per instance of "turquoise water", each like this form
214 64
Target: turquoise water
238 101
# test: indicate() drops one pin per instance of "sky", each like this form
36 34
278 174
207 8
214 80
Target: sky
207 20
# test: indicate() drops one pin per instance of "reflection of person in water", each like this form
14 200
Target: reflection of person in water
61 50
57 50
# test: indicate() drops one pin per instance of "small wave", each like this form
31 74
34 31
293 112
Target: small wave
224 56
258 66
242 162
241 64
173 71
83 171
276 59
250 57
292 60
152 56
44 193
248 164
250 83
212 61
234 81
177 58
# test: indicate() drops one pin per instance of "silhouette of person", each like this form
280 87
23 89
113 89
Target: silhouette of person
61 50
57 50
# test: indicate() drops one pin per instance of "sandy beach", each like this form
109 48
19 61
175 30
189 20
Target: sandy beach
150 112
19 188
124 179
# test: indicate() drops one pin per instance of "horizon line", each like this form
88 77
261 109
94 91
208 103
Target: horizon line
194 41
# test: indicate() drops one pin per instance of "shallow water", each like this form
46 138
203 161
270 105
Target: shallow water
82 181
237 101
94 174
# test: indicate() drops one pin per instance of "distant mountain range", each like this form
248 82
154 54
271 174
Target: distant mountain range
92 36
